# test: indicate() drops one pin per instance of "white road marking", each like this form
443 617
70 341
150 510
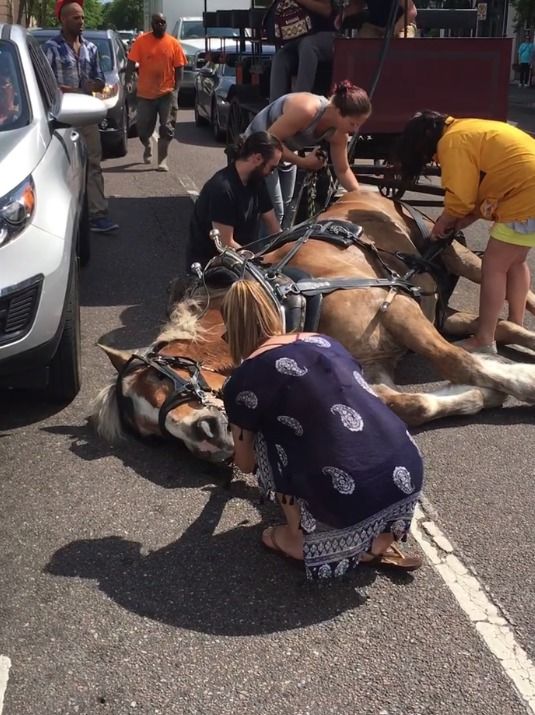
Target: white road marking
487 618
188 184
5 665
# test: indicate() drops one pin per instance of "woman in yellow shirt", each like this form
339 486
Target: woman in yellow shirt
488 171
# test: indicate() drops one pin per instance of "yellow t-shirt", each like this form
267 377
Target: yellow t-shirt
488 168
158 58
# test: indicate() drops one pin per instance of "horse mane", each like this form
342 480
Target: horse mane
104 414
185 320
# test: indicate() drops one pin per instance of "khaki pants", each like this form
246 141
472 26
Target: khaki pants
98 205
149 111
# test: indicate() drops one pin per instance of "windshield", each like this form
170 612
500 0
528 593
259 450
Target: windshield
14 111
105 52
194 30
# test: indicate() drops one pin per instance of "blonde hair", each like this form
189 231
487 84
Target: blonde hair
250 318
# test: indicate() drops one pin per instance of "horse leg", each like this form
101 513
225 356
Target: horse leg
417 408
407 325
461 324
463 262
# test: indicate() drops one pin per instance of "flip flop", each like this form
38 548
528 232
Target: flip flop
275 547
393 560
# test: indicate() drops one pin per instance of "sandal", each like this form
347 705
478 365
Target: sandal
273 546
469 346
393 559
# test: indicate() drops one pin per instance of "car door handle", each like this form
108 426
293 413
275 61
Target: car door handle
75 135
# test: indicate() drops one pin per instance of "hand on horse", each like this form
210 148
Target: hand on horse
443 228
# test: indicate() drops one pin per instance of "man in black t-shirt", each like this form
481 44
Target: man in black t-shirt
235 199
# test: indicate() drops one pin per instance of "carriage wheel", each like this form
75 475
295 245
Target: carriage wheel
238 121
391 192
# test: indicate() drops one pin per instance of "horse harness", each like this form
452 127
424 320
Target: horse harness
289 296
184 390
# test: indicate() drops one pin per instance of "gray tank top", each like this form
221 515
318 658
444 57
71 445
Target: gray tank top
304 138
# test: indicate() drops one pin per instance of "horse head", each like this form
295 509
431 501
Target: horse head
166 391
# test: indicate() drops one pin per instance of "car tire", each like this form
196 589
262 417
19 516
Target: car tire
219 134
199 121
84 235
65 370
120 145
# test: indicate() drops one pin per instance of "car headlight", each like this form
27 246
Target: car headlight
16 210
110 90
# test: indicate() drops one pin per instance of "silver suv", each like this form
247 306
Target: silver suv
44 232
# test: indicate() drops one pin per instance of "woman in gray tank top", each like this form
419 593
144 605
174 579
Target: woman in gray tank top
303 120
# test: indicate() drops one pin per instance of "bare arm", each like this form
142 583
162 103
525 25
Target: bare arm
226 235
341 165
179 76
271 222
244 454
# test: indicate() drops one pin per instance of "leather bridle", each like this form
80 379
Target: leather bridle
185 390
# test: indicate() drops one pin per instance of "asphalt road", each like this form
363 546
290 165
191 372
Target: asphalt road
131 582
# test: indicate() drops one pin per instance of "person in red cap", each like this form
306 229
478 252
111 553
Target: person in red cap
76 66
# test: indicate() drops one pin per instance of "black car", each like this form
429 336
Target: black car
120 100
215 81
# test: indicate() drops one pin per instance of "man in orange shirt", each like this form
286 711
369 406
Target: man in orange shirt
161 63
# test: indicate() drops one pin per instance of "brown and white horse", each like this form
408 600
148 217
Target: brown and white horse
377 338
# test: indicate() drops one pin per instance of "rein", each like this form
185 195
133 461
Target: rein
185 390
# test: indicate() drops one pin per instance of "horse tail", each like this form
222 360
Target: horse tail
104 414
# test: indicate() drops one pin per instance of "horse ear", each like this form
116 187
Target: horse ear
118 358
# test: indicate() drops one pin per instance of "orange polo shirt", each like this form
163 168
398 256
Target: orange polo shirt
158 58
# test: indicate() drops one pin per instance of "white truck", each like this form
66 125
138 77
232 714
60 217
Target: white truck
176 9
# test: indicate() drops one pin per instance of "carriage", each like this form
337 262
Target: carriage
457 73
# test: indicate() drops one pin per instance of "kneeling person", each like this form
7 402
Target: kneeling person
235 199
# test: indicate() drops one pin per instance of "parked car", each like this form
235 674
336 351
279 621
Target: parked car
214 85
127 37
195 40
120 100
44 226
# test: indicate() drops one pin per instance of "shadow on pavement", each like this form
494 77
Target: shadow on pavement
222 583
188 133
166 463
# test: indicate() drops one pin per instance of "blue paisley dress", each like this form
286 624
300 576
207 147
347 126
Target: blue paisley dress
325 439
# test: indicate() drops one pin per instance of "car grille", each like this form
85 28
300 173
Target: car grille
18 307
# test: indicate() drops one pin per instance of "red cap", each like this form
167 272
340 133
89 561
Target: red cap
61 3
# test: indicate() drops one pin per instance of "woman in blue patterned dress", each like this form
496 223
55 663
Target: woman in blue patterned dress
340 463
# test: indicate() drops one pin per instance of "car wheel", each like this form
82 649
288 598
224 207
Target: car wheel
199 121
65 369
219 134
84 234
120 146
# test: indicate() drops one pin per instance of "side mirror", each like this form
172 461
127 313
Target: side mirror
78 110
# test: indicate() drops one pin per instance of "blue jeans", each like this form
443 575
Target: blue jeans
280 185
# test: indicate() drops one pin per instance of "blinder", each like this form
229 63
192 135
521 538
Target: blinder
185 390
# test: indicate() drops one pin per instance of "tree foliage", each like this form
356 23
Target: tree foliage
525 13
124 14
42 12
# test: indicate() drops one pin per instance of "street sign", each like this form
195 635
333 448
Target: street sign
482 11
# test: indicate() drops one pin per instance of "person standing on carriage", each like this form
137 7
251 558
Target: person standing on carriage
488 171
305 120
304 31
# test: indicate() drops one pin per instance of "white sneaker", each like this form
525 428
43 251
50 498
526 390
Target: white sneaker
163 166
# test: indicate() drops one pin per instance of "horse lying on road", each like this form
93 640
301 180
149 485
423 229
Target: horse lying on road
174 389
